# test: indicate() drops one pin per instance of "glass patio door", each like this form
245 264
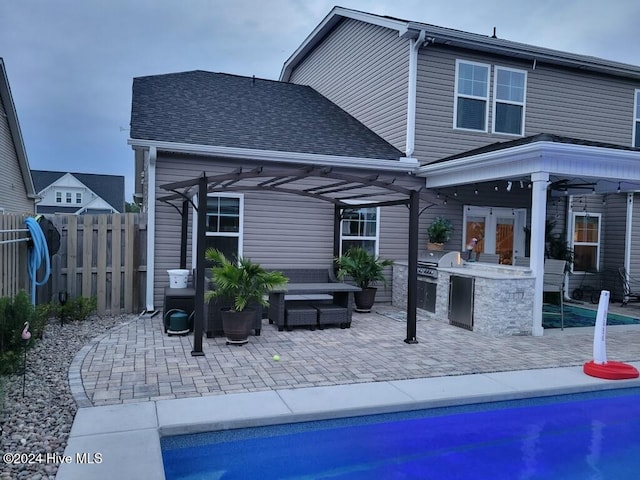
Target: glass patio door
497 230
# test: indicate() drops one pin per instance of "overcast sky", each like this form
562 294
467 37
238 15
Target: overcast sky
71 63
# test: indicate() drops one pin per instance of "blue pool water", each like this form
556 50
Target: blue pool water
582 437
581 317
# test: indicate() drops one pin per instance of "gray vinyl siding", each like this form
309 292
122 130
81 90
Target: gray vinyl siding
13 194
280 231
559 101
363 69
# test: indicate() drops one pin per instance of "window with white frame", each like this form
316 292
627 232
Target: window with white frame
360 228
636 121
78 197
67 197
586 242
509 87
224 223
58 197
471 96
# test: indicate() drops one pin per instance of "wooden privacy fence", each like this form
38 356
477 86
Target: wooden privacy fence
102 256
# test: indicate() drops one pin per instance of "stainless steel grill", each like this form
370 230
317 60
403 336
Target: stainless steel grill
428 273
428 264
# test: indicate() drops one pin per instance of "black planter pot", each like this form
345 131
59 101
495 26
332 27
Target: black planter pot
237 326
365 299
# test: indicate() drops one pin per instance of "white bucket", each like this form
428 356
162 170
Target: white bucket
178 278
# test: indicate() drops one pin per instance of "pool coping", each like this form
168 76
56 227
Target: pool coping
127 436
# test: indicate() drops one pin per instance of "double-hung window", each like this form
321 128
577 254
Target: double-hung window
636 121
360 228
509 87
58 197
586 242
224 224
471 96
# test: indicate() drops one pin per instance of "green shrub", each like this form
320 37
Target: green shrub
76 309
14 312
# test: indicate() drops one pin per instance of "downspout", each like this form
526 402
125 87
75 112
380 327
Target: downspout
414 46
151 224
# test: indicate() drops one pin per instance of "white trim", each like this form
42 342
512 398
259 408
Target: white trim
545 156
457 95
151 156
636 118
628 235
402 164
495 102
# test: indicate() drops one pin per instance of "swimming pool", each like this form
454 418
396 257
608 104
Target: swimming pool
581 317
582 436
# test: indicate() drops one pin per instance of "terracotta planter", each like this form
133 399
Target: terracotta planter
237 326
435 246
365 299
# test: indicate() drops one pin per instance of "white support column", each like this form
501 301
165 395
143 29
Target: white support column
628 232
540 181
151 225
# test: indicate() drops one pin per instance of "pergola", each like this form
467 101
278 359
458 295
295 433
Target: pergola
342 189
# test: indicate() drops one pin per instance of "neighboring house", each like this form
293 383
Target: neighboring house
78 193
17 193
507 134
286 153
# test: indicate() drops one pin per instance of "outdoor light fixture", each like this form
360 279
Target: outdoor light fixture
509 185
618 187
63 296
496 188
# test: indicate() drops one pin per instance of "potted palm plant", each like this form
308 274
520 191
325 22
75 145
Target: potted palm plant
365 269
439 233
243 283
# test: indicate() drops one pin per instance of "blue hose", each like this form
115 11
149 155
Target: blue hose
37 252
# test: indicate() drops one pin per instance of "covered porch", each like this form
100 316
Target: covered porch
552 176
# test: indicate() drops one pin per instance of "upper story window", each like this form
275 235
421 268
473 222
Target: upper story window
360 228
58 197
78 197
68 197
472 96
509 100
586 242
636 121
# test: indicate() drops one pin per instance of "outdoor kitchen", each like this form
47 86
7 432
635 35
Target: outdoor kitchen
487 298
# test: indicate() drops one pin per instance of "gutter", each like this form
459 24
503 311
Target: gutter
402 164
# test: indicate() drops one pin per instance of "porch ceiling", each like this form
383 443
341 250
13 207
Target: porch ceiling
572 167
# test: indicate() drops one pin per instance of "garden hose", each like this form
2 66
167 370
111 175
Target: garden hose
38 251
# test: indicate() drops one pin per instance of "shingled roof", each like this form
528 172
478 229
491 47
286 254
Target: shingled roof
108 187
217 109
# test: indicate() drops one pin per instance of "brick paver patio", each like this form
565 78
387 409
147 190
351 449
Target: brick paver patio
137 361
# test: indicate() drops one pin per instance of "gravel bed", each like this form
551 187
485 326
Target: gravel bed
39 423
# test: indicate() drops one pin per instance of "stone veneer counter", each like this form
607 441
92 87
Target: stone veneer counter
502 296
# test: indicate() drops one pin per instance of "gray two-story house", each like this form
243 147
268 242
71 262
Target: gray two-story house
502 136
507 135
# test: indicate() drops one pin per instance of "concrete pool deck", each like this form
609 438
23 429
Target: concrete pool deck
127 436
136 384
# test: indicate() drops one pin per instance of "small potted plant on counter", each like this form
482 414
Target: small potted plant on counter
365 269
439 233
242 283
